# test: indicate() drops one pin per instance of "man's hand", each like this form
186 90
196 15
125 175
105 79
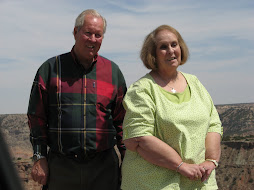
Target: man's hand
39 171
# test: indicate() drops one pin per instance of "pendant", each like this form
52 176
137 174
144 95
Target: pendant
173 90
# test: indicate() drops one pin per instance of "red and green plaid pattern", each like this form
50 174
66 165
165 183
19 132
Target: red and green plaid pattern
72 110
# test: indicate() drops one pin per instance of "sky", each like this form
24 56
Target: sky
219 35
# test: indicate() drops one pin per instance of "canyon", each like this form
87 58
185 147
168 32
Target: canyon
236 167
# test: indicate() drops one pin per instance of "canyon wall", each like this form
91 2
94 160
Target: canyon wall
236 167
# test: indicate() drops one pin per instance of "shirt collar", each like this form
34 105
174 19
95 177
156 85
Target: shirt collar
75 58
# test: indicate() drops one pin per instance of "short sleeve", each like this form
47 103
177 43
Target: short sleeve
215 122
140 112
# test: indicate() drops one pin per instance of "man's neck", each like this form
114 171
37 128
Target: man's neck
86 63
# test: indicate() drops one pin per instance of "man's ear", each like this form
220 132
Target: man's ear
75 31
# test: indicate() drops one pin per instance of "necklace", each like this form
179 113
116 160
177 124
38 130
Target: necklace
172 89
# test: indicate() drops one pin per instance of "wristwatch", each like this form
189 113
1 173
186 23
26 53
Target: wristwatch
37 156
214 161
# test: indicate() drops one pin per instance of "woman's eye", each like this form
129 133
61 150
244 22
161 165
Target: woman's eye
174 44
163 47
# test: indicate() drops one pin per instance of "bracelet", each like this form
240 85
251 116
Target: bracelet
178 166
214 161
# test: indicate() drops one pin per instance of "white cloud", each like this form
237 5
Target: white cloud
219 34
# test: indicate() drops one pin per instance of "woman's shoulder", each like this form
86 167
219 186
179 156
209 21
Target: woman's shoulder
195 83
190 77
142 87
144 82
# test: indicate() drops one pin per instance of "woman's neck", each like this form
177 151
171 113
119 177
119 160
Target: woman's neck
167 77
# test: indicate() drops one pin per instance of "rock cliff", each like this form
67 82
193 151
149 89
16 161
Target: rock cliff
236 167
235 171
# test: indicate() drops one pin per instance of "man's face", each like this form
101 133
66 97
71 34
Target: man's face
88 38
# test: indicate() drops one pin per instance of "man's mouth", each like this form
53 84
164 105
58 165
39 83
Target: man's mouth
90 47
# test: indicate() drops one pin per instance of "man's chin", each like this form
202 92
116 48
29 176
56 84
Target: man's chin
89 55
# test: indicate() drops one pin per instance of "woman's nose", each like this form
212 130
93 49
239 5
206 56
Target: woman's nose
170 50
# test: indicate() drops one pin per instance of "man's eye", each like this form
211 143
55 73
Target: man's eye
87 33
97 35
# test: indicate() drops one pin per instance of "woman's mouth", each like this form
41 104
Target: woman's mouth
171 59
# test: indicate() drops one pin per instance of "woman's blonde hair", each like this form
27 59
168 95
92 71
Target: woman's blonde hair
148 51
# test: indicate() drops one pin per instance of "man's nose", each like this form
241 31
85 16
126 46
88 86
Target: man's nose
92 37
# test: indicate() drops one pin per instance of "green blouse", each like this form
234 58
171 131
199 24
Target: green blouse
177 97
182 125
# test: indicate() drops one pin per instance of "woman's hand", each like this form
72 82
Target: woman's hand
192 171
213 150
209 167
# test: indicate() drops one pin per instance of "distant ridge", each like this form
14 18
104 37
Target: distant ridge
235 171
234 104
237 119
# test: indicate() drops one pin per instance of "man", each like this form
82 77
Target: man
76 110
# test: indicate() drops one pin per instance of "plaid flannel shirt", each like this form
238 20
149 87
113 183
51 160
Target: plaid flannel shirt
72 109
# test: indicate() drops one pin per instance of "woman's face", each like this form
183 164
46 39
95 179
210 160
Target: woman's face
168 51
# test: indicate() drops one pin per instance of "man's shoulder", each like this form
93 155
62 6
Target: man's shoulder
52 60
105 62
102 59
62 56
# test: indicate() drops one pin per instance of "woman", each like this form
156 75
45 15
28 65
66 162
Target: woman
172 130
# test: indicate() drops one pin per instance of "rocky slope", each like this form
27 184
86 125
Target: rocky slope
235 172
237 119
236 169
